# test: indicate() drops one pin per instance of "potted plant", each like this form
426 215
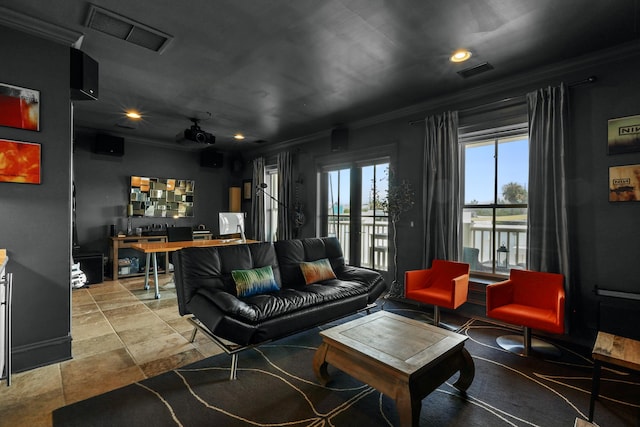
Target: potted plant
400 198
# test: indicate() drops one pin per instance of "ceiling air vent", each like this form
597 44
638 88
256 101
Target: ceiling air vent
127 29
475 70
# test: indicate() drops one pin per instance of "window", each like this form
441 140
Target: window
374 223
494 217
338 207
270 204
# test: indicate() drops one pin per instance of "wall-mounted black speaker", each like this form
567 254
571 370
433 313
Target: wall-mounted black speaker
107 144
84 76
339 139
211 159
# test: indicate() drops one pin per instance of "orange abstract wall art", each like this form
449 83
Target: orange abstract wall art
19 107
19 162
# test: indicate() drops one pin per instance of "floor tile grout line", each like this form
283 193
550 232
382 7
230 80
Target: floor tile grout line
164 322
65 392
126 347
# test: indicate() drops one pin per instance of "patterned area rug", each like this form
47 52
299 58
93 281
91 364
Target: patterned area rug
276 387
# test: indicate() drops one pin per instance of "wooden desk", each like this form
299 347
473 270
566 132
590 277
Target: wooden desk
125 242
401 357
153 248
613 350
118 243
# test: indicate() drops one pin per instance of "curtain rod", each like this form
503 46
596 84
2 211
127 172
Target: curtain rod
590 79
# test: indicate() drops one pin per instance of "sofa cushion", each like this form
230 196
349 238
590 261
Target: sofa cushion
210 268
260 307
255 281
317 271
291 253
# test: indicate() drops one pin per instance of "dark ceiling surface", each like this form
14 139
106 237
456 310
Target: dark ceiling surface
277 70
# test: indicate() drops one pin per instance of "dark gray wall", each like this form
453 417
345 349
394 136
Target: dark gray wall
102 187
606 236
35 225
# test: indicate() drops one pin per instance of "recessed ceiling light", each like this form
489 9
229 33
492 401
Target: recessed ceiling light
133 115
460 55
239 136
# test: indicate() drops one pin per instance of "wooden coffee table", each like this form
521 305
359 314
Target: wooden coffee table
401 357
612 350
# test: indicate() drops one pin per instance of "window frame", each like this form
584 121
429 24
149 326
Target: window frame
352 160
495 134
270 205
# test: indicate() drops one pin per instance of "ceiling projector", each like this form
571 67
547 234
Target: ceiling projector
195 134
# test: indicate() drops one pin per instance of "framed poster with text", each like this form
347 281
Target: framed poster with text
624 183
624 135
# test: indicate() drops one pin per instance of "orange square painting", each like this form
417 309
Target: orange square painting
19 107
19 162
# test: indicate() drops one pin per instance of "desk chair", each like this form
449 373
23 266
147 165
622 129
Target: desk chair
178 234
532 299
445 284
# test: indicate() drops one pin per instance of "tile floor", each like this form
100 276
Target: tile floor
121 335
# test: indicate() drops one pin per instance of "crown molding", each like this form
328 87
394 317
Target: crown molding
34 26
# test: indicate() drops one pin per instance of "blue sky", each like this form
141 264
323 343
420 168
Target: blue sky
513 166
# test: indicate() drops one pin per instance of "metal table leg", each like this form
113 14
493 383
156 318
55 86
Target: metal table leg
155 274
146 272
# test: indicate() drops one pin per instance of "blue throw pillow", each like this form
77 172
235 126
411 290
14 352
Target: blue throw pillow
253 282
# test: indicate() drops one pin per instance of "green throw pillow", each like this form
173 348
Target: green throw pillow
317 271
253 282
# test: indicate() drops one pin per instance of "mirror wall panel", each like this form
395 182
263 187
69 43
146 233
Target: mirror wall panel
162 197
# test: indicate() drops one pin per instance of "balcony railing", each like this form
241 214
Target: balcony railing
374 240
507 251
374 243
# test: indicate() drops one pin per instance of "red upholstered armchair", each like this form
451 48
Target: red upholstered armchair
532 299
445 284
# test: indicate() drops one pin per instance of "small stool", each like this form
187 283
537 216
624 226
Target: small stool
613 350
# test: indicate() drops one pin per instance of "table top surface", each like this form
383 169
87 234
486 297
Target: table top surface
150 247
617 350
404 344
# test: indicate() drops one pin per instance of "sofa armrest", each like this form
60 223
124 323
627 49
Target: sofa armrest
499 294
372 279
358 274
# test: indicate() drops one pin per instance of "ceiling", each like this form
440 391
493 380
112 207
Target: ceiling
279 70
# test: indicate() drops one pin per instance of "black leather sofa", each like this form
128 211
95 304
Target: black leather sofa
207 291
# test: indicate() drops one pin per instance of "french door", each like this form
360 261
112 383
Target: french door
351 203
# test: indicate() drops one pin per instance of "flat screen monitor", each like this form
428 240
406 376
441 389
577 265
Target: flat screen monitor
231 223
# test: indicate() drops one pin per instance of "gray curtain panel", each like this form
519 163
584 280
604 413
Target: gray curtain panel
548 236
257 201
441 178
285 192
